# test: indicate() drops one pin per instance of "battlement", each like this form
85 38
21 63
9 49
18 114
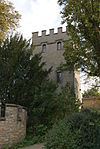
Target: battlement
52 37
51 32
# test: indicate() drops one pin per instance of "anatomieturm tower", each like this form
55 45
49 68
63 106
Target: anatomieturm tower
51 46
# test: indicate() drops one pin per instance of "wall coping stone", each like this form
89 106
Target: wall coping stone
91 98
14 105
2 118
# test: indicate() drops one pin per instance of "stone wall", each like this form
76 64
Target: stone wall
13 125
92 102
54 57
50 38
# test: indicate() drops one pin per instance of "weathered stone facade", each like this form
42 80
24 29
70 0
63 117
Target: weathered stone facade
13 125
52 54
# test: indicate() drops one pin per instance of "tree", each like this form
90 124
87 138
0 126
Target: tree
67 102
93 92
82 50
9 18
24 81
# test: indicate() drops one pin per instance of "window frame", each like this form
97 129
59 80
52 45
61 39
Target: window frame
43 47
59 76
2 110
59 45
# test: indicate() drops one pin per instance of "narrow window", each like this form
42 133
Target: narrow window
19 112
59 77
3 108
43 48
59 45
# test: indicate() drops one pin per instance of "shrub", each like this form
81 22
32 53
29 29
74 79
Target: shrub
57 136
67 102
78 131
93 92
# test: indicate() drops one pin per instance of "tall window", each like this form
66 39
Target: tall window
43 48
59 76
2 109
59 45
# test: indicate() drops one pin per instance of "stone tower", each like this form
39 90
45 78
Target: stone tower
51 46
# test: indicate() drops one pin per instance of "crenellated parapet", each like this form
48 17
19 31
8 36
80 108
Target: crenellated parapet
52 37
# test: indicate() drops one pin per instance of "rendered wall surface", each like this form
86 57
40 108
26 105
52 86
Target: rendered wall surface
13 125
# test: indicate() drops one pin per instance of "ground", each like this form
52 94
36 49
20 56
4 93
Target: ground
36 146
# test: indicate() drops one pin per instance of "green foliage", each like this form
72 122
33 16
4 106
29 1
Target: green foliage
56 139
24 81
20 73
79 130
9 18
82 50
42 109
93 92
27 141
67 101
48 107
40 130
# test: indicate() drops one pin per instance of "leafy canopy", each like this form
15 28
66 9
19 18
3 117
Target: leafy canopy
24 81
93 92
67 101
9 18
21 73
82 50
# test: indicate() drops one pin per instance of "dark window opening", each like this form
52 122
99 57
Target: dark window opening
59 77
43 48
19 112
59 46
3 108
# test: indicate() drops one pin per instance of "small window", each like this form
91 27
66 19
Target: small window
43 48
59 46
3 108
19 112
59 77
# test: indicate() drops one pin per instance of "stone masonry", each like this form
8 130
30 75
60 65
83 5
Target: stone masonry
13 125
53 56
91 102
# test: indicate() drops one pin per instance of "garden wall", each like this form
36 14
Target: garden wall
12 125
92 102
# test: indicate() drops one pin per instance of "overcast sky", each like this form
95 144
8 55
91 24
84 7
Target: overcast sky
37 15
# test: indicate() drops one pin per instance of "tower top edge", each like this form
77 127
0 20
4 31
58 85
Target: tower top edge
51 32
